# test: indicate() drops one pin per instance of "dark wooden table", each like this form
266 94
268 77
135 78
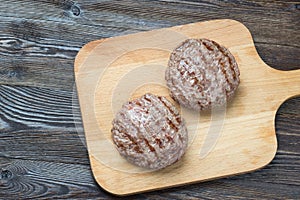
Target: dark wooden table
41 149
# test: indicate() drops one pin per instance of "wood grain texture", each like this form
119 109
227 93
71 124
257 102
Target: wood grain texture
38 44
278 180
53 31
42 146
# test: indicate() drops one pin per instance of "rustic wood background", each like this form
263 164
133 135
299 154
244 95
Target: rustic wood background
41 136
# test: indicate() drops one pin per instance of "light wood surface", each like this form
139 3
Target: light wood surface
246 139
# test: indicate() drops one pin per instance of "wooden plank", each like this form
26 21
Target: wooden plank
23 108
25 179
43 120
247 140
52 146
41 38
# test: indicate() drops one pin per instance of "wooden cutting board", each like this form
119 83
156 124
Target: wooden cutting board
237 139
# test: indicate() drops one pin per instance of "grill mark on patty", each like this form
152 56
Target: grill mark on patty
205 43
208 45
232 66
138 103
158 141
232 63
147 99
172 125
169 121
168 107
174 115
169 138
223 66
154 104
131 139
149 145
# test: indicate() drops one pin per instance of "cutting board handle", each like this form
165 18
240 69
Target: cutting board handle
287 82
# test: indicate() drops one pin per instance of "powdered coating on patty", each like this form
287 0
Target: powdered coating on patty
149 132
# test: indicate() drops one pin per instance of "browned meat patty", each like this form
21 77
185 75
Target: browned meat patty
202 74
